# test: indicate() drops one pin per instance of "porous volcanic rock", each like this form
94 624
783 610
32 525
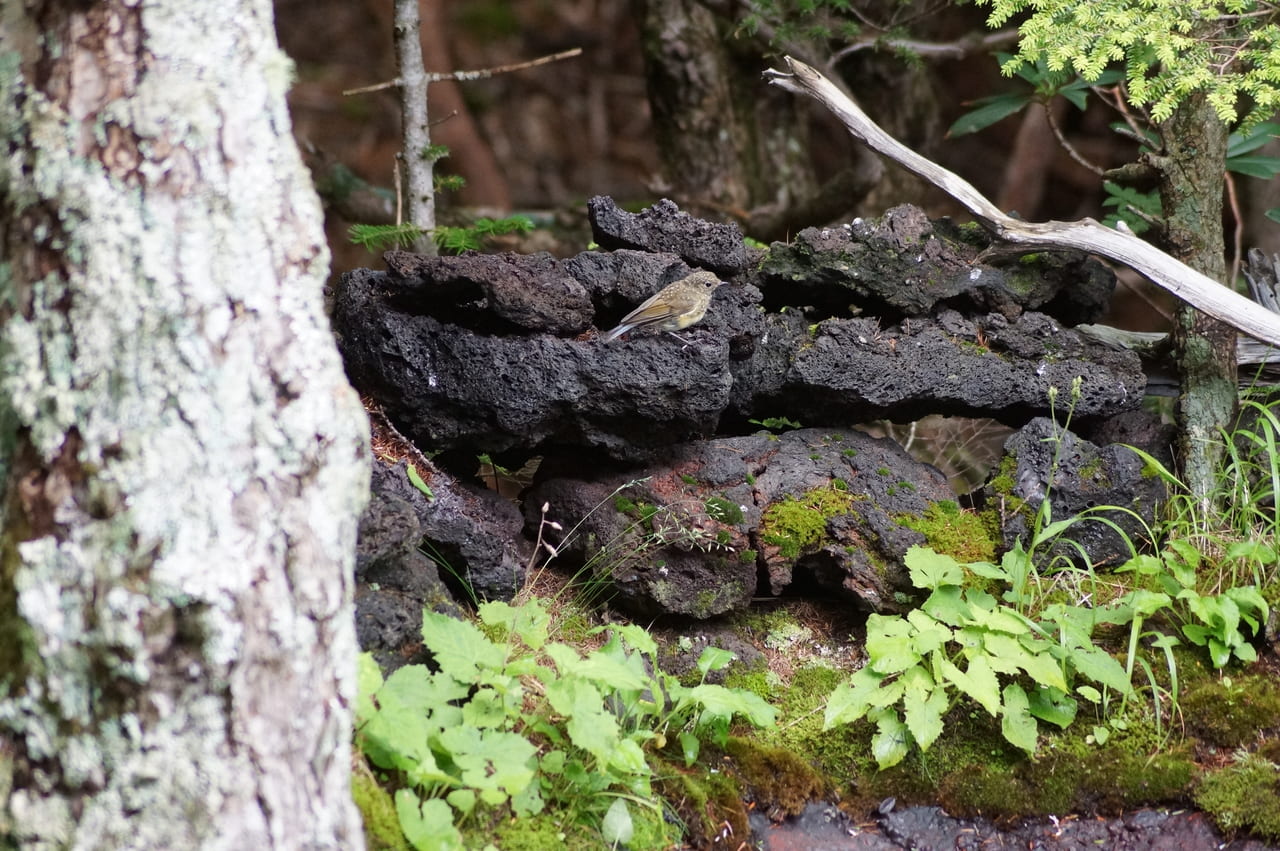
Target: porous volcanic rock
1044 461
905 265
664 227
722 521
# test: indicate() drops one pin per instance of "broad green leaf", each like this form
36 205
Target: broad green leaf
635 637
850 700
459 647
1089 693
978 682
1099 666
690 747
1017 724
530 622
931 569
1252 139
889 645
1052 705
368 681
1262 167
930 635
462 800
892 740
924 717
491 759
947 604
720 702
571 695
989 110
627 758
713 659
415 688
1002 619
617 829
986 570
428 825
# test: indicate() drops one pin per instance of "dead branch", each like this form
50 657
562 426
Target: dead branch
478 74
1195 288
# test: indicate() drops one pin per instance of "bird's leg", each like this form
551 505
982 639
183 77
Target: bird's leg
687 342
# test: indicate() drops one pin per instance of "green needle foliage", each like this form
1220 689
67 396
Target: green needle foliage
1229 49
520 723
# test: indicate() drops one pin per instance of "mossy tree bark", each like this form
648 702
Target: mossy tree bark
182 460
1191 169
730 145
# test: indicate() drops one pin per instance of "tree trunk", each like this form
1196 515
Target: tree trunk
182 459
1191 172
729 144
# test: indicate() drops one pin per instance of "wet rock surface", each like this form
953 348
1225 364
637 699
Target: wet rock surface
824 828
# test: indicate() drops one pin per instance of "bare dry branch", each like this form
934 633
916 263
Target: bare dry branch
1195 288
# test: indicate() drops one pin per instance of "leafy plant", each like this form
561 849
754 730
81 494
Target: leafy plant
510 719
915 662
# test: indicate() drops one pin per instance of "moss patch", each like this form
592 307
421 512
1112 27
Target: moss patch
796 525
1243 796
381 824
948 529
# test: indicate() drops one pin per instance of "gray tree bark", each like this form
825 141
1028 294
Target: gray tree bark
1191 169
183 462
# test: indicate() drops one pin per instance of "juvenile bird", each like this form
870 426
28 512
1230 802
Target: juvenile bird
672 308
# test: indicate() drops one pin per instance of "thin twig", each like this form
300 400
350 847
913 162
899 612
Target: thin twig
1067 146
957 49
480 74
1237 242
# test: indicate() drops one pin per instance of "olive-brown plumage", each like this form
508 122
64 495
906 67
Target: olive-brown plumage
672 308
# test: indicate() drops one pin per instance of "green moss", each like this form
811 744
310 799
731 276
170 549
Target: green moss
747 556
750 479
777 778
796 525
721 509
840 484
1229 712
624 505
705 801
883 471
949 529
688 479
1243 796
381 824
848 453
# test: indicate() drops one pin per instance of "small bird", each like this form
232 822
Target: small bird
672 308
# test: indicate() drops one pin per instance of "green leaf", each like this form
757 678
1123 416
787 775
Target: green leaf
530 622
978 682
617 828
368 681
713 659
690 747
1017 725
929 634
889 645
416 480
891 742
1273 214
718 702
1053 706
628 758
1261 167
1252 139
459 647
988 111
491 759
850 700
931 569
1099 666
948 605
924 717
428 825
